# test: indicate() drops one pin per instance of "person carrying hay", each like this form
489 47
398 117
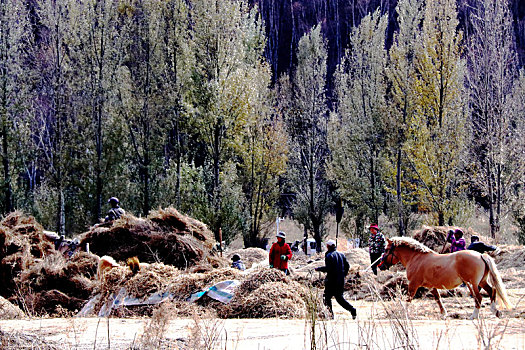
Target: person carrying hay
115 212
237 263
336 268
376 246
456 239
280 253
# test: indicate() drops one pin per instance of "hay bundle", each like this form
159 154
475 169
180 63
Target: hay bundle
393 285
172 220
249 256
511 257
22 242
184 285
358 256
9 311
259 277
163 238
272 299
434 237
53 282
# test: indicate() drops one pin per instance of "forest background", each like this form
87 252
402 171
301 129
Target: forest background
236 112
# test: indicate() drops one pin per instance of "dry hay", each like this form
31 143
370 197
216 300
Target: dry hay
54 282
184 285
153 278
22 242
271 299
261 276
250 256
435 237
18 340
9 311
165 236
511 256
358 256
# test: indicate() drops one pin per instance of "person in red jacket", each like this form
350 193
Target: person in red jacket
280 253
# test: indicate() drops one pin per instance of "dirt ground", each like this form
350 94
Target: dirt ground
380 325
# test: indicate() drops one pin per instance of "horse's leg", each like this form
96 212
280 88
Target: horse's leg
412 289
477 299
436 295
492 294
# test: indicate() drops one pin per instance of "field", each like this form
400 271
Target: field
267 311
422 328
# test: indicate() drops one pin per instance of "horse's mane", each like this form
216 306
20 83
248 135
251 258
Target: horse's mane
410 243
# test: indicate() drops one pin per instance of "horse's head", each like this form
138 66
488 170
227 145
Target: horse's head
389 258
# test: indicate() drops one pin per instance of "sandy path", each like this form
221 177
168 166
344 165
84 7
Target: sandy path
370 330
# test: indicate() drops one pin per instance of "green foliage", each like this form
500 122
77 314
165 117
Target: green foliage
306 116
436 136
357 129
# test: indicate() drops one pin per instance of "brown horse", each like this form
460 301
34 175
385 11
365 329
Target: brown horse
426 268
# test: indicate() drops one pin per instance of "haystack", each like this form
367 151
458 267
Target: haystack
9 311
22 242
55 282
250 256
159 278
165 236
358 256
271 299
511 256
435 237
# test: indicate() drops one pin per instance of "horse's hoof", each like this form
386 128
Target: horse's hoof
498 314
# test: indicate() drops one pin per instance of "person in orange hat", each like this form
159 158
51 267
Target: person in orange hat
376 246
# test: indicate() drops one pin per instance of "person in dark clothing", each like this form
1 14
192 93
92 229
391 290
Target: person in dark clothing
115 212
376 246
336 268
480 247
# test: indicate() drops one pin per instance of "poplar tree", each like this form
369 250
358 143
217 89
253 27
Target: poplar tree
401 74
227 55
436 134
16 44
492 70
357 134
56 109
307 119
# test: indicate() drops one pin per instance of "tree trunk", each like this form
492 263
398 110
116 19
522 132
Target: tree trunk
401 223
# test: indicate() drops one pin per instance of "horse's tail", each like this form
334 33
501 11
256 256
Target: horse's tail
495 280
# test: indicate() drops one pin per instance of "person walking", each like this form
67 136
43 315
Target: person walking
376 246
280 253
456 240
336 268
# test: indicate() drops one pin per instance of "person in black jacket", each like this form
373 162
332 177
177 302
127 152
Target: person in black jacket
336 268
480 247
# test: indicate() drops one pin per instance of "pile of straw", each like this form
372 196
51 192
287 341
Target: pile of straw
271 299
54 283
22 242
358 256
9 311
511 257
250 256
165 236
434 237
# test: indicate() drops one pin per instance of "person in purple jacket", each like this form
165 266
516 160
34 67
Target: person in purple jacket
456 239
